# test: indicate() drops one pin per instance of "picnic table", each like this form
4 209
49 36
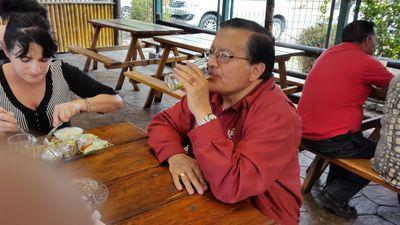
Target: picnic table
141 191
138 30
201 43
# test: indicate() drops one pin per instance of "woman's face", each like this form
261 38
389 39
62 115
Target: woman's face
33 67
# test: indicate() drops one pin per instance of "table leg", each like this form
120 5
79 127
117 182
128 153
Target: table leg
131 52
92 47
95 62
158 75
159 95
282 74
141 54
134 57
140 51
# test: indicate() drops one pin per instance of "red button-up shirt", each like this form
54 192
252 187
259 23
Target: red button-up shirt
249 152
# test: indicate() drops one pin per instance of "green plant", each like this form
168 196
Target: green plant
314 36
142 10
385 15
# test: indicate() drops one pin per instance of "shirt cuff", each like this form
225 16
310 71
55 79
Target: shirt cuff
202 135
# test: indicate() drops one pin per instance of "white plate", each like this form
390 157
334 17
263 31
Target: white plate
68 133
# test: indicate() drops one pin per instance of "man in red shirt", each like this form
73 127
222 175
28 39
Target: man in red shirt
331 109
243 132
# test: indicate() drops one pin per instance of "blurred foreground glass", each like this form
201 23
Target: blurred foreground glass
173 84
23 143
93 192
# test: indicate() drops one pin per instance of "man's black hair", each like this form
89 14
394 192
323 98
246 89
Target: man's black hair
261 45
358 31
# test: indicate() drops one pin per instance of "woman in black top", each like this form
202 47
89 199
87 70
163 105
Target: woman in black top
35 90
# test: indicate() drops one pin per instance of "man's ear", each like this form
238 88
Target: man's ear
256 71
368 45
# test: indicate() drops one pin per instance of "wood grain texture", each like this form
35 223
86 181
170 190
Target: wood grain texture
139 193
119 133
115 162
201 210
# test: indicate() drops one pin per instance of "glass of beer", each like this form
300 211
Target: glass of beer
173 84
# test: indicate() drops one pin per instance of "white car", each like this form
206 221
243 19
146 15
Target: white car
204 13
126 9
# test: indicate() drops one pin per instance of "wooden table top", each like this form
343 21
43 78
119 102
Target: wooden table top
201 42
135 27
195 42
142 192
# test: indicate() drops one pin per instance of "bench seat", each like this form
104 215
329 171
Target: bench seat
107 61
154 83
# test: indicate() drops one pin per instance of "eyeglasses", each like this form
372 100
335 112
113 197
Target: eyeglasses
222 56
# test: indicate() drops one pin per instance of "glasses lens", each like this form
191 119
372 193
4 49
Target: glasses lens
223 57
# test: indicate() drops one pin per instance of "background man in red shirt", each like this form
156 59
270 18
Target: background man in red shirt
243 133
331 109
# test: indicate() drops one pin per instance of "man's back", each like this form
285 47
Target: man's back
335 90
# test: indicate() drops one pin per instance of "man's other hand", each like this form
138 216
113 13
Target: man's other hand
184 169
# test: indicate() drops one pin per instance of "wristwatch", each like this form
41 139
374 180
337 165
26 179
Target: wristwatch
206 119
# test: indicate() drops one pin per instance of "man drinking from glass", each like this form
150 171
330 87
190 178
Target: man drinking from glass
242 131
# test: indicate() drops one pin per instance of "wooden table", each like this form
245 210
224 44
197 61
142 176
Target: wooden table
137 29
142 192
200 42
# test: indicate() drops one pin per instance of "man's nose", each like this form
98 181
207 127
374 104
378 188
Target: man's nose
212 60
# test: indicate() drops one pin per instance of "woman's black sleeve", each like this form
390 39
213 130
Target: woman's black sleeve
82 84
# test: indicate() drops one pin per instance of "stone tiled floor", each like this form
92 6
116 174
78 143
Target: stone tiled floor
375 204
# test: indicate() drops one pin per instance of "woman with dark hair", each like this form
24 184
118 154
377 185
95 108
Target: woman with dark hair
35 88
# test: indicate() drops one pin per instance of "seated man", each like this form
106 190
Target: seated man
331 109
243 132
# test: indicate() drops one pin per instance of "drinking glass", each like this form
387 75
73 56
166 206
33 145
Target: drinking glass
23 143
173 84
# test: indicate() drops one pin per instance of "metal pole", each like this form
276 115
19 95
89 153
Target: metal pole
357 10
269 12
329 30
117 15
343 14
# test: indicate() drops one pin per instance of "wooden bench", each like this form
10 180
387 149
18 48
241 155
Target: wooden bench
291 80
110 63
361 167
156 84
150 42
107 61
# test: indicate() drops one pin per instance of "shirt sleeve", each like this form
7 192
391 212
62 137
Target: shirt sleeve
269 142
168 129
376 74
82 84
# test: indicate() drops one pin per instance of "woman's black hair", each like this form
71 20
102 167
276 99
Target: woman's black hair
27 23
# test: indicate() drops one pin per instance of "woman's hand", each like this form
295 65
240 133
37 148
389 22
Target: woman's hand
8 122
184 169
65 111
196 87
